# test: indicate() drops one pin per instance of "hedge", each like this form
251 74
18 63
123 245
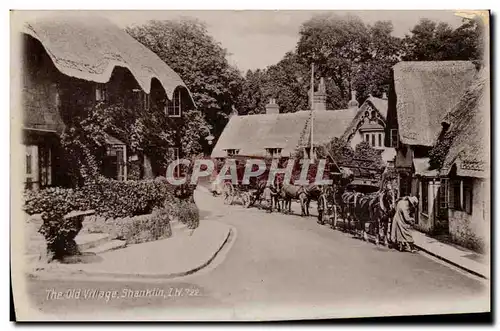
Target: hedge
108 198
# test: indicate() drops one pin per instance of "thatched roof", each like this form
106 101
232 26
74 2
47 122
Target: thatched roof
252 134
425 92
379 105
89 47
466 142
327 125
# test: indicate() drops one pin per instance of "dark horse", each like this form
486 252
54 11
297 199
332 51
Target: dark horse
289 192
369 209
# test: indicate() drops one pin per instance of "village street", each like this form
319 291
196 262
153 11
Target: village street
276 265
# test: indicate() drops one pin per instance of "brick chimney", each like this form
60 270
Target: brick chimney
320 96
272 107
353 103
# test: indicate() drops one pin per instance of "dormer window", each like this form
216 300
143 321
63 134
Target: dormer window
274 152
232 152
173 108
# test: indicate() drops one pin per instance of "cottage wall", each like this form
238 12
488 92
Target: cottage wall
39 97
472 231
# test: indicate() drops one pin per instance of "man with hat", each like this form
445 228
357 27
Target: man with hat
402 223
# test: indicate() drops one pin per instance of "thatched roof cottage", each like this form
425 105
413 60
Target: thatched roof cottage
420 96
462 156
73 61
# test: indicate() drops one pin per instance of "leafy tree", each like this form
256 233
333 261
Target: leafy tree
432 41
189 50
337 45
288 82
253 97
373 76
338 150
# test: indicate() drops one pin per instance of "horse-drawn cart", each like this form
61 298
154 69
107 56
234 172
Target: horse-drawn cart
245 194
328 201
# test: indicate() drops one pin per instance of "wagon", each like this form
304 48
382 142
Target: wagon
246 194
328 207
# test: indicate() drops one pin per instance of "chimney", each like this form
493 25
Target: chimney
320 96
384 96
272 107
353 103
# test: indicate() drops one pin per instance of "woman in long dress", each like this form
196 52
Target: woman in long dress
402 223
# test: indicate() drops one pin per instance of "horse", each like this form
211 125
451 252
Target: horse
374 208
289 192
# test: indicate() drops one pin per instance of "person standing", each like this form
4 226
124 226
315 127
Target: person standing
403 221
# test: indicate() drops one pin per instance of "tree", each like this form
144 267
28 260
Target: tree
200 61
373 76
253 98
353 55
338 150
337 45
432 41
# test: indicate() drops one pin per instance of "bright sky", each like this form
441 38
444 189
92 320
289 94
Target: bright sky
257 39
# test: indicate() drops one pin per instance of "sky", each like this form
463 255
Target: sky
257 38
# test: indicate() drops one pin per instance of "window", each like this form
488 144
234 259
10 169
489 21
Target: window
367 138
30 166
379 140
394 142
467 196
45 157
115 165
173 107
455 194
101 93
232 152
274 152
425 196
373 139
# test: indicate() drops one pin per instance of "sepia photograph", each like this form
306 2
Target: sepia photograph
249 165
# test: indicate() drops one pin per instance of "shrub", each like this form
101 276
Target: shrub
187 213
109 198
138 229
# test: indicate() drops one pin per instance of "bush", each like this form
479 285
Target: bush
109 198
187 213
143 228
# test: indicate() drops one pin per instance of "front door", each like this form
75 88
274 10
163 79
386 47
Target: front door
441 212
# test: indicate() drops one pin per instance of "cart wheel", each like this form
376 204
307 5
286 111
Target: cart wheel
228 193
247 200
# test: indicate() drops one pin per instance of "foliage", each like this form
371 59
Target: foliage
438 153
186 212
336 45
364 151
200 61
338 150
141 228
109 198
432 41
